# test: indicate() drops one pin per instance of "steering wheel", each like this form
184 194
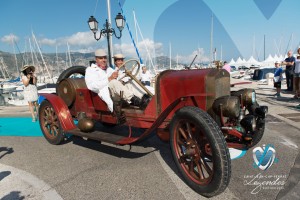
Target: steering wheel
133 72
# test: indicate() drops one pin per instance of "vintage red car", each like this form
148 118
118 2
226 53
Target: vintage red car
194 110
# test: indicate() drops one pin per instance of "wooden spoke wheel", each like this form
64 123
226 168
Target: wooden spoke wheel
200 151
50 124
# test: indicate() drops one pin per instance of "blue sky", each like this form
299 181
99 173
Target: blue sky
182 27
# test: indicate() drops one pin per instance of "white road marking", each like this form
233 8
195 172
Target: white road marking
26 185
289 143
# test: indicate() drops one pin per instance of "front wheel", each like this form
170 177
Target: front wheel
50 124
257 136
200 151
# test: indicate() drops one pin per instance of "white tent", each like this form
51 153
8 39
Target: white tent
252 61
239 62
232 62
269 61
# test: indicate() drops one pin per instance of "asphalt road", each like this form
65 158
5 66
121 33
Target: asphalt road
81 169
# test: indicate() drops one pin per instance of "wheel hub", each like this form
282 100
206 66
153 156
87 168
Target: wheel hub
192 150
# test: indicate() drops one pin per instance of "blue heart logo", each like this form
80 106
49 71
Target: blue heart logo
267 7
264 157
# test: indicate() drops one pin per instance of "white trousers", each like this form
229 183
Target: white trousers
129 89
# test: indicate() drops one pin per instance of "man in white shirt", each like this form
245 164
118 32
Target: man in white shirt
99 77
145 76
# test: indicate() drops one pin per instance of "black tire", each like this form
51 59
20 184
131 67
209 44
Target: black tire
257 136
50 124
198 144
71 71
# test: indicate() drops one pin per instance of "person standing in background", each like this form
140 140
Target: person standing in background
277 78
30 90
145 76
297 76
290 63
226 66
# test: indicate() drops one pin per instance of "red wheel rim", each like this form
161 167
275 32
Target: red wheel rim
50 123
193 152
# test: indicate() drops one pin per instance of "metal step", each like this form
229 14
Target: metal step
103 136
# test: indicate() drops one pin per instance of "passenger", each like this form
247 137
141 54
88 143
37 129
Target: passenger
30 90
100 78
131 84
277 78
118 61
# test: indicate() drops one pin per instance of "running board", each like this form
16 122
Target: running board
104 136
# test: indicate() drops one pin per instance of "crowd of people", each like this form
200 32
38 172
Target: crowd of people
292 74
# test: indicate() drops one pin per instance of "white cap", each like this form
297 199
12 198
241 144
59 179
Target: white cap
100 53
118 56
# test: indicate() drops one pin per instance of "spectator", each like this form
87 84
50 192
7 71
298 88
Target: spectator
277 78
226 66
297 76
289 62
145 76
30 90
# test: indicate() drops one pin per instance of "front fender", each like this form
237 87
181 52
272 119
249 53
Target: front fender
62 111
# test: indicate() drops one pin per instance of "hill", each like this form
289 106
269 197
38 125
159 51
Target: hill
57 63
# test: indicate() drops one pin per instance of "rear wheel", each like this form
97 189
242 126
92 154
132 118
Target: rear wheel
200 152
50 124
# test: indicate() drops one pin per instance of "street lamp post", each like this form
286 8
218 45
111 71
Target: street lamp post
107 31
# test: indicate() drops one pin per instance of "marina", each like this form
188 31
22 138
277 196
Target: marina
213 113
22 156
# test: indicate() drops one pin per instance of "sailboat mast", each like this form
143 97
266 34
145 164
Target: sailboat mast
170 56
211 38
31 51
135 26
142 37
264 47
177 61
38 47
13 44
57 60
69 54
221 54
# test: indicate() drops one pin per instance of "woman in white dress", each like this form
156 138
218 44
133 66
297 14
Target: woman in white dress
30 90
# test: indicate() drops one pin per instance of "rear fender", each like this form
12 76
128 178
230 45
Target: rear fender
62 111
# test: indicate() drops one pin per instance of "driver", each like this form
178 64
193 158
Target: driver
99 77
